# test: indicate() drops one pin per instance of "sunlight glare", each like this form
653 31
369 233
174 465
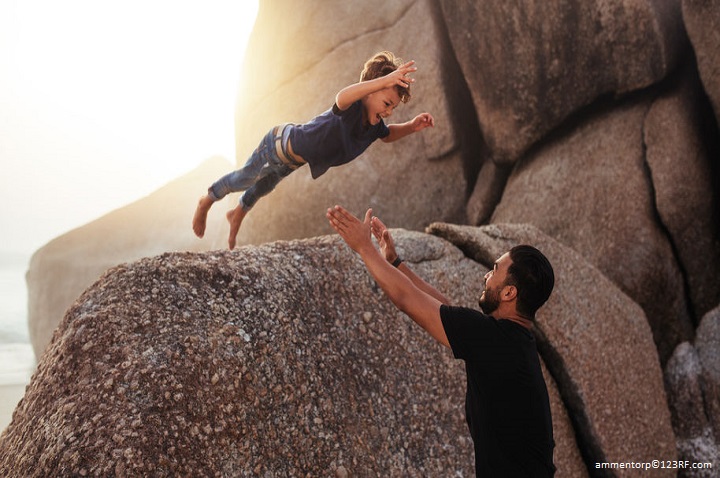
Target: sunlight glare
98 90
144 68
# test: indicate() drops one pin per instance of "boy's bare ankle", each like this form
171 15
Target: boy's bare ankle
235 218
200 218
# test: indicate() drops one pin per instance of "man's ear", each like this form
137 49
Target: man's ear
508 293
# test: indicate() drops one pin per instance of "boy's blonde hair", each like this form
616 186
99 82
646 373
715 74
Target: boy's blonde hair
381 64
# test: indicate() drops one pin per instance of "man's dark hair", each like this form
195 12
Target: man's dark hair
533 276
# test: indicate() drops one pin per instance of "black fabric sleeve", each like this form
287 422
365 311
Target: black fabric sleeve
469 332
455 323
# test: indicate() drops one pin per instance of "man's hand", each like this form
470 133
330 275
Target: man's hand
356 234
385 240
420 301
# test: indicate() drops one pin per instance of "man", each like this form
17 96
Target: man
506 405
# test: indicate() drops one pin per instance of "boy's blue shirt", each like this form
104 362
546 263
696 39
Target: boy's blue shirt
334 138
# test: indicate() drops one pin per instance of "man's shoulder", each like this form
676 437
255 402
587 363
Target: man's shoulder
464 327
459 320
455 311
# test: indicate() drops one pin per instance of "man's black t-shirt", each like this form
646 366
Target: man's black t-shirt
506 405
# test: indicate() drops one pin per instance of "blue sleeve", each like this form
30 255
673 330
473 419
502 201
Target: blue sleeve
383 130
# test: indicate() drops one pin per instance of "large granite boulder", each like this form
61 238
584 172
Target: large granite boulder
702 21
63 268
277 360
530 64
611 219
707 343
566 457
695 440
597 345
682 170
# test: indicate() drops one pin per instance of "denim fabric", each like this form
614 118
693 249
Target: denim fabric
262 172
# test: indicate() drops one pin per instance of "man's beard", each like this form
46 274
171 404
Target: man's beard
489 301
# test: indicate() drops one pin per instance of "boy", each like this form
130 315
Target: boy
335 137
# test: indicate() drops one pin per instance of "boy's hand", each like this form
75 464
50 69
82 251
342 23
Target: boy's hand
400 76
356 234
385 240
422 121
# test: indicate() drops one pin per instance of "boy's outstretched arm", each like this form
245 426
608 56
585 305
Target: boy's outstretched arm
418 123
350 94
423 308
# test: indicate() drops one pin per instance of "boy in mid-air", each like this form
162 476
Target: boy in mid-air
335 137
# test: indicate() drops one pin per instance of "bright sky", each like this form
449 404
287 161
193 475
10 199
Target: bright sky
102 102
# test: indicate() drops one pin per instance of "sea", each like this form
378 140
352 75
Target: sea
17 360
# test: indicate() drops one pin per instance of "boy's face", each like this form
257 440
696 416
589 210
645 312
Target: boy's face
380 104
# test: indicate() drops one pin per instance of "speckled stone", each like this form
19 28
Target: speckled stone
277 360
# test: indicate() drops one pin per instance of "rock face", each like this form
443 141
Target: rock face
66 266
601 162
683 174
707 344
684 382
702 20
283 359
530 64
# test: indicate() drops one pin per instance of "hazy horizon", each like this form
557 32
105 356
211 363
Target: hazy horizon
102 103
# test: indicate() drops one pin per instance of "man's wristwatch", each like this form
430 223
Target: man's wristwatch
397 261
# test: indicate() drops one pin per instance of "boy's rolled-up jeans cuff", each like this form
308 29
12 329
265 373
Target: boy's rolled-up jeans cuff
215 198
245 206
211 194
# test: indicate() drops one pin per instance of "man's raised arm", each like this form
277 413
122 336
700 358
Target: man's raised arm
420 306
387 247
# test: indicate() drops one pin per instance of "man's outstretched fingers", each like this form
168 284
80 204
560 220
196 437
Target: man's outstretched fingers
368 216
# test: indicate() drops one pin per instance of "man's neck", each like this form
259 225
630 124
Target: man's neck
515 318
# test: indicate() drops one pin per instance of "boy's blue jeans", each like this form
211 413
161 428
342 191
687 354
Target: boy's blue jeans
262 172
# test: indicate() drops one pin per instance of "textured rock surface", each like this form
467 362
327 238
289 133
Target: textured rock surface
702 21
567 458
529 64
596 343
681 170
63 268
707 343
695 440
284 360
611 221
